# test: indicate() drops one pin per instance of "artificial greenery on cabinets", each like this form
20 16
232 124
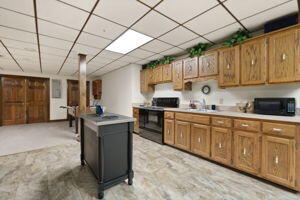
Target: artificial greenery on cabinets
197 50
163 61
237 38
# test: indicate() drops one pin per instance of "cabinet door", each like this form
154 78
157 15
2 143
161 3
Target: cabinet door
150 76
229 66
136 128
167 73
190 68
297 57
253 62
208 64
278 160
169 132
282 56
158 74
200 139
145 76
182 135
177 75
247 151
221 145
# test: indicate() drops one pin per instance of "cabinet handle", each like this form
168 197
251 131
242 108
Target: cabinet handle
276 160
181 134
199 139
284 56
244 151
244 125
252 62
228 66
169 132
220 145
207 64
277 129
220 122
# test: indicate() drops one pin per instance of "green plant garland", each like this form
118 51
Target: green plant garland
163 61
237 38
197 50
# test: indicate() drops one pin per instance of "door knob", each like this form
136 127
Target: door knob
181 134
220 145
284 56
276 160
244 151
199 139
252 62
228 66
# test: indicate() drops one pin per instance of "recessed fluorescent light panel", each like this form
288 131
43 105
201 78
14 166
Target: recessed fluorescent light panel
129 41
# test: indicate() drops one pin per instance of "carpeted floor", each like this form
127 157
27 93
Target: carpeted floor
26 137
161 173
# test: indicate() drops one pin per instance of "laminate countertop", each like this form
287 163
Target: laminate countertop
106 119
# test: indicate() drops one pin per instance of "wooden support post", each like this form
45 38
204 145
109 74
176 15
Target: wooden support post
82 86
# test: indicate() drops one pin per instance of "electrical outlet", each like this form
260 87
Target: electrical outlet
221 101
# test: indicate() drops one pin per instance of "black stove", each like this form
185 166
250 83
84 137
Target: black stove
151 118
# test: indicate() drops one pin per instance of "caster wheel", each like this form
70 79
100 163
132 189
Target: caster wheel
130 182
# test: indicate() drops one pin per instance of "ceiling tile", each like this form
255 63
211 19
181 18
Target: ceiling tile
155 57
16 20
129 59
110 54
210 21
91 68
148 27
139 53
53 42
156 46
8 65
118 63
193 42
93 41
150 3
83 4
20 45
64 14
100 60
224 33
173 51
54 30
24 6
245 8
178 36
17 35
54 51
257 21
104 28
22 54
142 62
83 49
123 12
188 8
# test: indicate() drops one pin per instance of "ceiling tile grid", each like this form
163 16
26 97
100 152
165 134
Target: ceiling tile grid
156 46
193 42
14 34
86 5
55 43
173 52
140 53
150 3
178 36
92 40
223 33
24 6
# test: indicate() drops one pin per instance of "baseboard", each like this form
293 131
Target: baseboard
58 120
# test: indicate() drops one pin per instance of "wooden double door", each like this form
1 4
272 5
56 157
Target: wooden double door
24 100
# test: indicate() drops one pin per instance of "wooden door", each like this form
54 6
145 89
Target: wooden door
177 75
158 74
221 145
208 64
97 89
73 93
278 160
167 73
200 139
190 68
37 100
229 66
182 135
169 132
247 151
282 57
254 62
136 128
13 100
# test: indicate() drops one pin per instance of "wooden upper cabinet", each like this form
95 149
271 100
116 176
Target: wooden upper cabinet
97 89
167 73
297 57
254 62
283 55
190 68
229 66
247 151
221 145
200 139
182 135
278 160
177 75
208 64
145 76
169 137
158 74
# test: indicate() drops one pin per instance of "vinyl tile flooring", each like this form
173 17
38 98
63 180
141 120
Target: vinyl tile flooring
161 172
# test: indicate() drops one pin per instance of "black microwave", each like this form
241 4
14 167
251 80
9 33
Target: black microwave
275 106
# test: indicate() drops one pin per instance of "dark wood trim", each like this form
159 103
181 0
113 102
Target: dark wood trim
11 55
298 11
37 33
58 120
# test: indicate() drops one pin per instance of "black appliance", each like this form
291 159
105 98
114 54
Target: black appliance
281 23
275 106
151 118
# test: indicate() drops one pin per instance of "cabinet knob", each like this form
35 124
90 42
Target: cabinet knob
199 139
169 132
244 151
220 122
228 66
276 160
181 134
252 62
244 125
283 56
277 129
220 145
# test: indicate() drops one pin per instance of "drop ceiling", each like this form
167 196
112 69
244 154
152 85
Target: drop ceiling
47 41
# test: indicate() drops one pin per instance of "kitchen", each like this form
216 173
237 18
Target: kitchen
204 104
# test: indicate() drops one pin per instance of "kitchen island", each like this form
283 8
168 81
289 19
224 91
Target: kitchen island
106 148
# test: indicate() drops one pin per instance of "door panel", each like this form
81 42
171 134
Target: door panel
208 64
221 145
169 132
200 139
167 73
190 68
177 75
182 135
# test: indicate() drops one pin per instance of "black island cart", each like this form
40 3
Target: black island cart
106 148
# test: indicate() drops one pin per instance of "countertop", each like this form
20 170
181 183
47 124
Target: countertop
295 119
106 119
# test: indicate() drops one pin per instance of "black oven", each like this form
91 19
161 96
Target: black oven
275 106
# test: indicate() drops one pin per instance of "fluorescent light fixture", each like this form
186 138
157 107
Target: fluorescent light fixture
129 41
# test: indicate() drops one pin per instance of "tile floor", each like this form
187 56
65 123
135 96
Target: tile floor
161 172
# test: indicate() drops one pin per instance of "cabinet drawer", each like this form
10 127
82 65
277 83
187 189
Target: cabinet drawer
247 125
192 118
169 115
279 129
221 121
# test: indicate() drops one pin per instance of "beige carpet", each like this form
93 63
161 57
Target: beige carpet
20 138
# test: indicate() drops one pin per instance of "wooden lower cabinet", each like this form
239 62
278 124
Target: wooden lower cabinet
136 128
182 135
278 160
200 139
169 132
221 145
247 151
